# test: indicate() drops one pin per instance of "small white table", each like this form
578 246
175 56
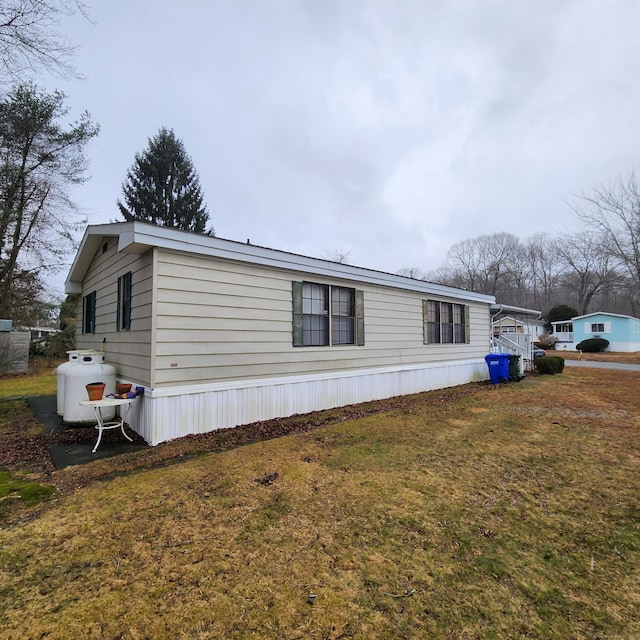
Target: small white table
97 405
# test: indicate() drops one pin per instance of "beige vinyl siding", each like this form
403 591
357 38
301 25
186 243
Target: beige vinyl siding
394 324
130 350
220 321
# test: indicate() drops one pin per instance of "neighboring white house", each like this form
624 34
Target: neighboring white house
514 330
622 332
512 325
38 333
223 333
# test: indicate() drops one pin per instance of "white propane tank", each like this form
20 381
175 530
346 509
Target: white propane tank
61 371
90 367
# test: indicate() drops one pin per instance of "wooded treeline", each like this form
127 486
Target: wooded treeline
597 268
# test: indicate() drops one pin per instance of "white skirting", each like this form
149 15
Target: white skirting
614 347
169 413
624 347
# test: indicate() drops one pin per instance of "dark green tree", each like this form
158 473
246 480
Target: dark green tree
39 159
560 313
163 187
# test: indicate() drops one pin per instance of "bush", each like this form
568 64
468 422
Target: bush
549 365
593 345
560 361
547 341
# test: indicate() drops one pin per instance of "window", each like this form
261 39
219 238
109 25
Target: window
445 322
326 315
342 315
315 314
89 313
597 327
459 323
433 321
123 308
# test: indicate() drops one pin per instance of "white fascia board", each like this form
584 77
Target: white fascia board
89 244
502 308
138 237
586 315
604 313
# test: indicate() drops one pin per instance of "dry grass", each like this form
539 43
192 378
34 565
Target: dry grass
41 381
509 512
607 356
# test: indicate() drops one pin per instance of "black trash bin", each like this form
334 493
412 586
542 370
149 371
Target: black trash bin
514 368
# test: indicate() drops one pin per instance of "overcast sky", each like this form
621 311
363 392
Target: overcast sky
387 129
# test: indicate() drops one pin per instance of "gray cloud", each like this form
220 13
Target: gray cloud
389 129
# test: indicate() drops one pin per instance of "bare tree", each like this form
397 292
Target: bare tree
486 264
544 267
613 210
587 267
341 256
29 38
412 272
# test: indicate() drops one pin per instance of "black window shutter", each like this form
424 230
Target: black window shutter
119 304
467 328
126 301
360 318
425 324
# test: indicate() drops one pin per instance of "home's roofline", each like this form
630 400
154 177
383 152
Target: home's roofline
604 313
139 237
514 319
506 308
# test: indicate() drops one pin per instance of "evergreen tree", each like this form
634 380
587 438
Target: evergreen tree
561 312
40 158
163 188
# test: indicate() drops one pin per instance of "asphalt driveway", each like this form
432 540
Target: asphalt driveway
602 365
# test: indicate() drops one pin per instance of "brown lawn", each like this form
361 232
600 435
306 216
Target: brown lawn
480 512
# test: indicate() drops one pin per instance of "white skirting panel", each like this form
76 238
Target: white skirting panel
624 347
169 413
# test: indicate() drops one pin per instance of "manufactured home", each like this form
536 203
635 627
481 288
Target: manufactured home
622 332
510 326
514 331
223 333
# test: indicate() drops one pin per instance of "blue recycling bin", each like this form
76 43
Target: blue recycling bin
498 364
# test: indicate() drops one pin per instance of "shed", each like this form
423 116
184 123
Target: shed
223 333
14 349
